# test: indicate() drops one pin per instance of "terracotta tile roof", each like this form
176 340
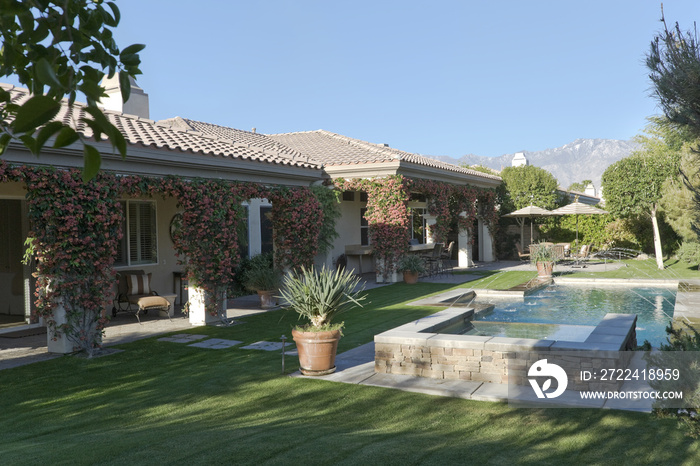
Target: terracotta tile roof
311 149
148 133
238 135
335 149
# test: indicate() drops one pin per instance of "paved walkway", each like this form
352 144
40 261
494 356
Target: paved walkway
123 328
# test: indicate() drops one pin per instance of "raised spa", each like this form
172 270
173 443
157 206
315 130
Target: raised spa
457 343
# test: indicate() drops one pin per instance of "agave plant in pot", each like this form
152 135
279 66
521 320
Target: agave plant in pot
264 280
544 257
319 296
411 265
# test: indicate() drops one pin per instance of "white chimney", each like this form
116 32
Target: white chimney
519 160
137 103
590 190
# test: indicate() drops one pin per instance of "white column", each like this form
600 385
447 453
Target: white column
485 243
393 277
430 221
465 249
254 220
198 312
58 344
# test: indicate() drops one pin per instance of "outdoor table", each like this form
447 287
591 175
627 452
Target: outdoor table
359 251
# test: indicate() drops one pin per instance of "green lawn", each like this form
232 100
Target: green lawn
166 403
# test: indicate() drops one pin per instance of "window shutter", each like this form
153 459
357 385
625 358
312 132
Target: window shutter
143 246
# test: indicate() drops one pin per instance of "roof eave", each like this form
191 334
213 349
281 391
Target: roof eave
142 160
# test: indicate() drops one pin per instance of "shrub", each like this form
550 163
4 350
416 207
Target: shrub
261 274
681 351
689 252
411 263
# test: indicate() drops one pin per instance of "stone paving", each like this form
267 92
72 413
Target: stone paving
269 346
216 343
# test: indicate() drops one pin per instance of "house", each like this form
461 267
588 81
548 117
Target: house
190 149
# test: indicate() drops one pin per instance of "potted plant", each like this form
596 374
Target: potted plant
319 296
411 265
544 257
264 280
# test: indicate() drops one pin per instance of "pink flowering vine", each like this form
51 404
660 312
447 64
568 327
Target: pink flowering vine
387 216
75 228
387 211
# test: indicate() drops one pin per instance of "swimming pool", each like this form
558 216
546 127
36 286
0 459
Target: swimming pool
567 305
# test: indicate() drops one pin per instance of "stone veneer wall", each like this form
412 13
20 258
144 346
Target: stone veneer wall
417 349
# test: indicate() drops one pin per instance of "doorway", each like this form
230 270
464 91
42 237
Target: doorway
15 277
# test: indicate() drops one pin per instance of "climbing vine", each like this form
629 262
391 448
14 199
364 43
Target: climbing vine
75 231
387 215
76 228
297 218
438 205
387 212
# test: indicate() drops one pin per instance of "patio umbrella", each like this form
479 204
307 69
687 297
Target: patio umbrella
528 212
578 208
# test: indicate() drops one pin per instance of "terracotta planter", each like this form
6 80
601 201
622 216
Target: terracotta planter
544 269
267 299
410 277
316 351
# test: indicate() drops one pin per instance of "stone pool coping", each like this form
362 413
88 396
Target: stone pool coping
419 349
611 334
687 304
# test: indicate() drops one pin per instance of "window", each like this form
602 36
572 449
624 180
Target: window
139 244
244 235
363 196
417 197
348 195
266 238
418 225
364 228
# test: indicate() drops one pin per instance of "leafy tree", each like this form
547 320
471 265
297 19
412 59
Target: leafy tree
677 202
674 64
528 185
632 186
579 187
59 48
480 168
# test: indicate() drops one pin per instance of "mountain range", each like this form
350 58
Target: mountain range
582 159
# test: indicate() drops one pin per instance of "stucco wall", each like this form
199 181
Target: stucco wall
348 227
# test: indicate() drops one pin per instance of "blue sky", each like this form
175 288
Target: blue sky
431 77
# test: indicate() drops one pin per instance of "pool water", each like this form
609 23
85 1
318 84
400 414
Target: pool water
529 330
583 306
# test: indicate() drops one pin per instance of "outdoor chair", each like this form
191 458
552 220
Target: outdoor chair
560 251
582 255
434 261
523 256
446 257
134 293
